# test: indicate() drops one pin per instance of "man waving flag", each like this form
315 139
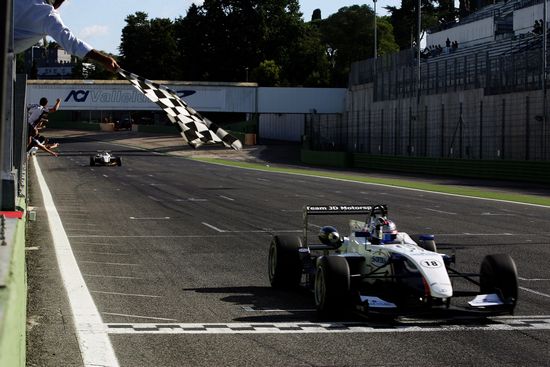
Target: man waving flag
195 129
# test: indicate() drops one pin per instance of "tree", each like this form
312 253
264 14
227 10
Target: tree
222 39
149 47
316 15
267 74
405 20
349 36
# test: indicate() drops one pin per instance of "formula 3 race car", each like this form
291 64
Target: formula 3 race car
104 158
378 270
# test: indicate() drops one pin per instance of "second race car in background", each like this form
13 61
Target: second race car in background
105 158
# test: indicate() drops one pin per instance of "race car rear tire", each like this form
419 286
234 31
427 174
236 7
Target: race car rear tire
92 161
332 285
118 161
498 274
284 264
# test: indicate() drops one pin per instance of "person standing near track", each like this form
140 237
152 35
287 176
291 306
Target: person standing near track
35 19
38 115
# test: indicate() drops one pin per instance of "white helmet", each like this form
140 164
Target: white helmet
383 230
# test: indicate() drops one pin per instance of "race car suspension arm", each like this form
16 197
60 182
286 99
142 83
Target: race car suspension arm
456 274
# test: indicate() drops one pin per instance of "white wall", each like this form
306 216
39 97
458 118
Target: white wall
120 95
286 127
301 100
524 19
480 31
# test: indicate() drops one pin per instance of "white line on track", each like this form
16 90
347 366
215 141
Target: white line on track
440 211
378 184
105 263
495 324
94 243
474 234
150 218
225 234
102 253
80 224
255 309
191 199
227 198
535 292
534 279
138 317
127 294
110 276
153 198
95 346
213 227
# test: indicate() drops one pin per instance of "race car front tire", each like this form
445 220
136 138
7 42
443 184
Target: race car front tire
498 274
92 161
332 285
428 245
284 264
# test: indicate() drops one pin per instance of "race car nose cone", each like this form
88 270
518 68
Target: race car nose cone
441 290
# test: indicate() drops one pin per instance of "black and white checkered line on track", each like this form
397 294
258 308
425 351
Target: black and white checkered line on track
490 324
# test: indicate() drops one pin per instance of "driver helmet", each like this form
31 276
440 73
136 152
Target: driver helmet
329 236
384 230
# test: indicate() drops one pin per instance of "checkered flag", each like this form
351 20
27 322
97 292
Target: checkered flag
195 129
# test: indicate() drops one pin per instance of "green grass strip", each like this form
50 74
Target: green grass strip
447 189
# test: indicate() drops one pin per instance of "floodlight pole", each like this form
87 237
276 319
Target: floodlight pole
545 147
419 24
375 34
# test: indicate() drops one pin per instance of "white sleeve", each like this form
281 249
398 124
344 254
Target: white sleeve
55 28
35 115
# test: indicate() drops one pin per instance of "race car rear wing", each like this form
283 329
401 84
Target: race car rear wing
340 210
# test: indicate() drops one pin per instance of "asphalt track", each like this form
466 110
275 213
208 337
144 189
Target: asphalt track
172 252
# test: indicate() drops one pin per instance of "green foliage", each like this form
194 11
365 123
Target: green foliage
267 74
349 36
222 40
149 47
405 19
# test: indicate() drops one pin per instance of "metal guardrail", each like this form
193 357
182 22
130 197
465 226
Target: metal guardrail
5 36
12 116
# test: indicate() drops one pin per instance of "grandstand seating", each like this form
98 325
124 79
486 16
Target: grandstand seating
505 63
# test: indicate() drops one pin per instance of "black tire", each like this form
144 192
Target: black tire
332 285
118 161
428 245
92 161
284 264
498 274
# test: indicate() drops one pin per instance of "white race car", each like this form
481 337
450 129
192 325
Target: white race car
105 158
378 269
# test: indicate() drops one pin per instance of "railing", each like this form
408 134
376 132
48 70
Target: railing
500 66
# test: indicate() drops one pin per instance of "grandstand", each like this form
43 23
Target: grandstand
480 100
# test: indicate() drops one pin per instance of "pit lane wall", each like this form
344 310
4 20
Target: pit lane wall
13 292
